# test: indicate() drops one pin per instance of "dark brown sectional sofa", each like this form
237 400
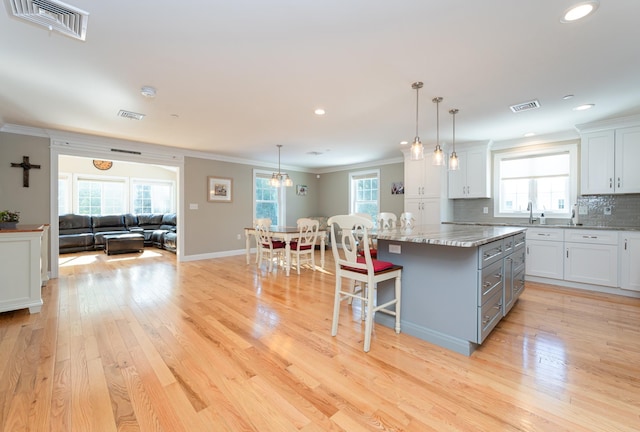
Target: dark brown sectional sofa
84 233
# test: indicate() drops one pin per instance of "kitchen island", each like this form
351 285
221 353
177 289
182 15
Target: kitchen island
457 282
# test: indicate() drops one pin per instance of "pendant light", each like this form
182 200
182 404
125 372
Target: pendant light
278 178
438 155
454 163
417 150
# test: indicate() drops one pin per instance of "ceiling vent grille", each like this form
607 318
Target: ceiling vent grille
525 106
130 115
53 15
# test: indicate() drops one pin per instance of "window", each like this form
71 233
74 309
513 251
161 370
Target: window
101 197
152 197
269 201
364 192
545 178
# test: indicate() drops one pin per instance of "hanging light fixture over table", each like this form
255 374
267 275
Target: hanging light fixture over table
453 159
417 150
279 178
438 155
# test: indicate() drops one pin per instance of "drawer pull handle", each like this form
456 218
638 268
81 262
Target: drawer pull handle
589 237
544 235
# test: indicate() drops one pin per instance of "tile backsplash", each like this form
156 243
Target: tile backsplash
625 211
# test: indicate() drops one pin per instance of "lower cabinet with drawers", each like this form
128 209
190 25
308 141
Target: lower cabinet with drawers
595 259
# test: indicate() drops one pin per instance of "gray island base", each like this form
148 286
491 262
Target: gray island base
457 282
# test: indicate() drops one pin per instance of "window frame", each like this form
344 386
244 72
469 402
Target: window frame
547 150
361 175
135 181
281 197
100 179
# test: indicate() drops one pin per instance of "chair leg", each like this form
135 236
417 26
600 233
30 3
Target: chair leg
336 307
368 323
398 291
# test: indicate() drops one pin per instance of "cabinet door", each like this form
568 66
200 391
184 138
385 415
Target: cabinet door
425 210
627 174
458 178
629 260
413 179
598 157
544 259
477 174
591 263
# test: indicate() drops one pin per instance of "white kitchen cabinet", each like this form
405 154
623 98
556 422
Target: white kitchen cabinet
472 179
591 257
425 210
608 161
545 251
629 253
422 188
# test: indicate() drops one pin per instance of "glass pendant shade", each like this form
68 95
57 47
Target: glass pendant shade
417 149
438 155
454 163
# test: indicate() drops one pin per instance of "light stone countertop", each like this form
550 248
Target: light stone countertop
450 234
536 225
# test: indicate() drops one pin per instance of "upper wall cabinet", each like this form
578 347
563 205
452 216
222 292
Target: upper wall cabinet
472 179
609 161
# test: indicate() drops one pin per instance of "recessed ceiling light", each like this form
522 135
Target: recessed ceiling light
584 107
529 134
565 97
148 91
579 11
404 142
319 111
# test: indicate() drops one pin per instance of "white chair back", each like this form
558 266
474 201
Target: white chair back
407 220
308 229
348 234
387 220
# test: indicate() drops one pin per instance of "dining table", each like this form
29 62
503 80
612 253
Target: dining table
286 234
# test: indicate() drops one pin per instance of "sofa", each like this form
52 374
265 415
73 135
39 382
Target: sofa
85 233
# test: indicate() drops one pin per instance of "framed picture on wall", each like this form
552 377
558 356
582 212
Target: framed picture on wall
301 189
219 189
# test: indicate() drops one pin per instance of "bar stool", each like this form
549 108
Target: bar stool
347 231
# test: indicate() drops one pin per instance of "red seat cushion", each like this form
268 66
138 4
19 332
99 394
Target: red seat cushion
277 244
294 246
372 252
377 265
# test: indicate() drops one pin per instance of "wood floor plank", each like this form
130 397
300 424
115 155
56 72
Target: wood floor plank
140 342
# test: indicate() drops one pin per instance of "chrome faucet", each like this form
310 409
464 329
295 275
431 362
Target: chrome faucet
530 209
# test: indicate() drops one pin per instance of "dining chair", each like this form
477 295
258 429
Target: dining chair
387 220
304 246
373 247
407 220
268 249
347 231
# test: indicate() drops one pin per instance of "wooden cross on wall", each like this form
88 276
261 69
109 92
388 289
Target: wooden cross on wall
26 166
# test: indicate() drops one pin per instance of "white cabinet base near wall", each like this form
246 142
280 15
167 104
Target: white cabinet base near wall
593 259
20 267
629 252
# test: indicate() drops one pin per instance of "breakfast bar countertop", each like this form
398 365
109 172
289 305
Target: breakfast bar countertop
449 234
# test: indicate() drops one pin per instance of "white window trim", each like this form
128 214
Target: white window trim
355 174
571 148
282 197
70 187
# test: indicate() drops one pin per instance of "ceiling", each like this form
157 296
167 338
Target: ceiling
236 78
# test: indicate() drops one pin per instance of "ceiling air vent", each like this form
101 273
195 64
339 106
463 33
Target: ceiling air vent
525 106
130 115
53 15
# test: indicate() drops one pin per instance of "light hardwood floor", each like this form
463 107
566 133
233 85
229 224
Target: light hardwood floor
140 342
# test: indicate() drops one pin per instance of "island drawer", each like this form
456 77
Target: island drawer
518 283
489 315
490 281
519 240
490 253
518 258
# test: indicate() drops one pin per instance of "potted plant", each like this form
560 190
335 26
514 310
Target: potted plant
9 219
